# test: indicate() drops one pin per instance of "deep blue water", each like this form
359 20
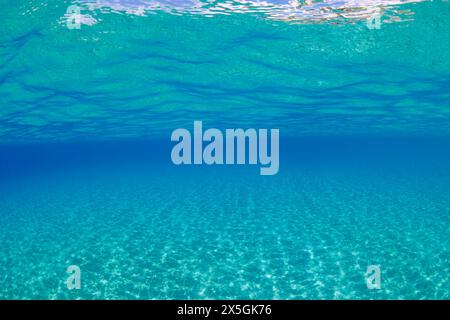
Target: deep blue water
86 176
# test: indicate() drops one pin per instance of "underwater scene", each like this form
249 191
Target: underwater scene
224 149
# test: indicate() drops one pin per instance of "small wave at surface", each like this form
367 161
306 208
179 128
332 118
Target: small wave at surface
129 75
286 10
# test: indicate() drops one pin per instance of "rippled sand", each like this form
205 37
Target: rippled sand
187 234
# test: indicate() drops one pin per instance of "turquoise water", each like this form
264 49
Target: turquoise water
86 177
